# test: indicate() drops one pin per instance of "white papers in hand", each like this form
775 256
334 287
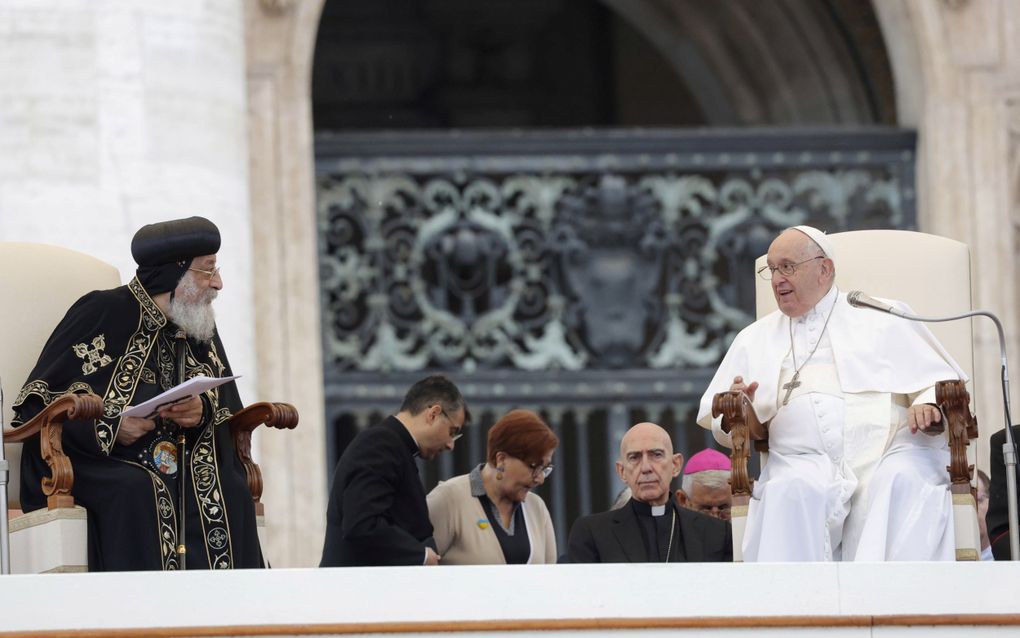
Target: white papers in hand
183 392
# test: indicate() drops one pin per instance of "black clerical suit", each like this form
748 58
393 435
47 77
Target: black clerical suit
997 518
377 513
119 345
624 535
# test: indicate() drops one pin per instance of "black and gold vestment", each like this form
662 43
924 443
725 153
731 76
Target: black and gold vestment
119 345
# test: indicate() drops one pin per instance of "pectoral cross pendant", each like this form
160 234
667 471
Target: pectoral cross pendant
790 386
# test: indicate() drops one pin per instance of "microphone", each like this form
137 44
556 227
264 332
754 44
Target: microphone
858 299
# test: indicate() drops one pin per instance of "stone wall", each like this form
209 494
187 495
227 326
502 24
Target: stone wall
280 42
114 115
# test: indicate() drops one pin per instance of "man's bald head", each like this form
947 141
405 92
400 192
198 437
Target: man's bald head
649 430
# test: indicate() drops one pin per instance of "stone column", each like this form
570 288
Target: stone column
281 39
957 73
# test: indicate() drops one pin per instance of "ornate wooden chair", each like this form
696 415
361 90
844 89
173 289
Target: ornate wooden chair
930 273
49 279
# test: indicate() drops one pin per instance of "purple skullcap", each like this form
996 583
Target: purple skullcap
707 460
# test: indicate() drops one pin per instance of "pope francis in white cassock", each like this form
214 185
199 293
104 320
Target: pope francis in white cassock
851 474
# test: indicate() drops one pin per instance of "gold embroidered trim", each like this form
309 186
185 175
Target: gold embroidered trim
165 362
206 481
153 316
166 518
205 473
129 367
42 390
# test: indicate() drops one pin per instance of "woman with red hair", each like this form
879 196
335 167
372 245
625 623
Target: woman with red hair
491 516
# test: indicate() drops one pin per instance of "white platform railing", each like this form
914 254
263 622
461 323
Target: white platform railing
950 599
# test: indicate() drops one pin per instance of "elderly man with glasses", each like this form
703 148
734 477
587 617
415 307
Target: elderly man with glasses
377 514
137 475
651 527
852 473
705 486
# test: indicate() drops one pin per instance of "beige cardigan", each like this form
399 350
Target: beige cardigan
460 540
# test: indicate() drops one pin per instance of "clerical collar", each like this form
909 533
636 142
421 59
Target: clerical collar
644 509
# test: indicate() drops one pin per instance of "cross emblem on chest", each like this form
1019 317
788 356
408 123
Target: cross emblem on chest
794 383
94 357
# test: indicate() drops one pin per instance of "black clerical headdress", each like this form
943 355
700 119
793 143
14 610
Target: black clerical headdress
163 251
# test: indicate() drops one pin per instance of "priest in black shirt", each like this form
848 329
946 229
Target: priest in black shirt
377 513
651 527
122 345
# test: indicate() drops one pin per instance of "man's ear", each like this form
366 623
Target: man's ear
828 267
681 498
619 471
678 463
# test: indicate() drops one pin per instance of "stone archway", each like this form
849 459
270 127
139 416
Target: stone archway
790 63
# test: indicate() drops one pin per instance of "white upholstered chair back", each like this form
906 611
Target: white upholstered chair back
39 284
928 272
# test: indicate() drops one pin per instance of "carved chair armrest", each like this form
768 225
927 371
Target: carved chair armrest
49 425
741 423
960 426
274 415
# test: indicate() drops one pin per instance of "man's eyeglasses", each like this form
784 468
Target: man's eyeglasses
720 510
455 432
702 507
208 273
786 270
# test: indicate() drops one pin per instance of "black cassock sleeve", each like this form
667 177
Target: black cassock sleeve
369 499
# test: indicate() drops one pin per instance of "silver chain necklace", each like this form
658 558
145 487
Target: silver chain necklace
672 528
795 381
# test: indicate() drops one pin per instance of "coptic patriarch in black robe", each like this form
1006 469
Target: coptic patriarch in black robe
121 345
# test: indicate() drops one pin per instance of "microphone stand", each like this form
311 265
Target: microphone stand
858 299
5 468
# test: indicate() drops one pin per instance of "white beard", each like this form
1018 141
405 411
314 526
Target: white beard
192 310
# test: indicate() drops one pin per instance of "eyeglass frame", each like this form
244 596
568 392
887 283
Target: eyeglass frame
539 469
701 507
208 273
536 468
771 270
460 430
